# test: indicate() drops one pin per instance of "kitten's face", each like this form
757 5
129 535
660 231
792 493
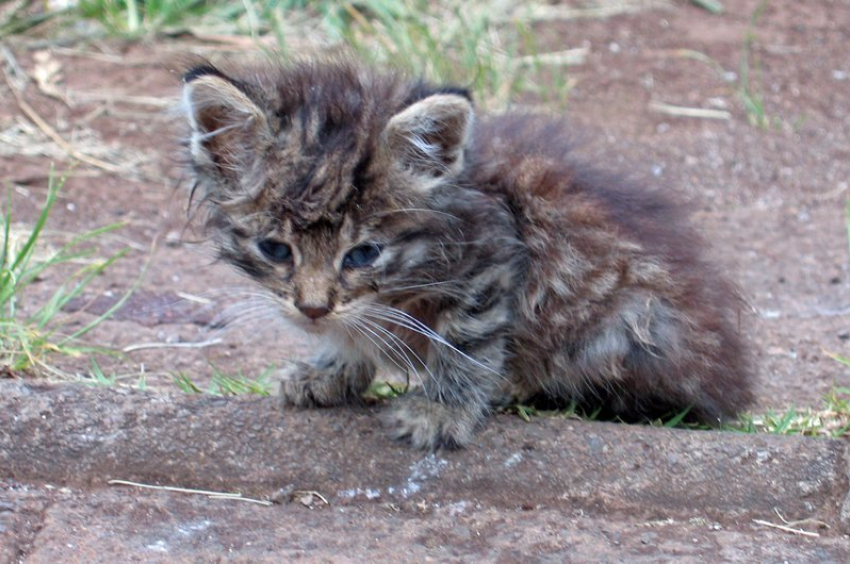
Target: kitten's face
328 272
318 185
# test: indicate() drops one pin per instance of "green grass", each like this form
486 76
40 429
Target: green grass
17 18
29 342
96 377
379 391
713 6
749 88
450 41
572 411
832 419
138 17
445 44
223 384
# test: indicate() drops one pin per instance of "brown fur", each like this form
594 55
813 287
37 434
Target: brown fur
477 255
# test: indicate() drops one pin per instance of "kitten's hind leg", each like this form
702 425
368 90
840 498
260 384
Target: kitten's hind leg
325 382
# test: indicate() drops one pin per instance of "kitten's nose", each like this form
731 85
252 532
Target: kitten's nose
312 311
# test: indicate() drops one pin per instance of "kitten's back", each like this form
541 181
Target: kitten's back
616 278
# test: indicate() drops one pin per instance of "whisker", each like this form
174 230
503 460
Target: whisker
258 329
399 341
359 326
411 210
402 318
236 313
446 289
417 286
406 320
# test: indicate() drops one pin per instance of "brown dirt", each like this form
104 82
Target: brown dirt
771 200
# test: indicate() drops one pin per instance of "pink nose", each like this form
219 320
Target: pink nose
313 312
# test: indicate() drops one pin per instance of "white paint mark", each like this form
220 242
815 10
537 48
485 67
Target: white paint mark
158 546
514 459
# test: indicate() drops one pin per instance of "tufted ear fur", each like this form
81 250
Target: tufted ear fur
228 129
428 138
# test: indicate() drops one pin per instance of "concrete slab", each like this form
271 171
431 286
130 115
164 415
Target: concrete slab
118 525
69 435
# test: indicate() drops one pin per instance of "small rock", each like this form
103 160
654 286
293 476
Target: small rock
173 239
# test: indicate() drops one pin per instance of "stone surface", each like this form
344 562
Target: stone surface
119 526
550 487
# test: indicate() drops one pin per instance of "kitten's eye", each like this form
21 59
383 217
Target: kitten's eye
361 256
275 251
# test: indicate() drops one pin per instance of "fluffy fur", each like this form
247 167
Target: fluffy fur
474 254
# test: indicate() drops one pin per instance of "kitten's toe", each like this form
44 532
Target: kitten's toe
302 385
294 386
430 425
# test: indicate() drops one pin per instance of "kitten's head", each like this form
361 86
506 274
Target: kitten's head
318 179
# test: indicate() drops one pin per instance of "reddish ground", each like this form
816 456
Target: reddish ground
770 200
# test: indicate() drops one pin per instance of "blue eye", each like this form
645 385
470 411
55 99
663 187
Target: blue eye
275 251
362 256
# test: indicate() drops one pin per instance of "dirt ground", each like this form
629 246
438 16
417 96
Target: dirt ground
771 200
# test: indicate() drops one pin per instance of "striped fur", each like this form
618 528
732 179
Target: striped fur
474 254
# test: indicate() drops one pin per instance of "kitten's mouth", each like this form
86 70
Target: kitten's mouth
314 326
306 324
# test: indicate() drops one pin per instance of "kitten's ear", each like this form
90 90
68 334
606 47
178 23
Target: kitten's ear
227 126
428 138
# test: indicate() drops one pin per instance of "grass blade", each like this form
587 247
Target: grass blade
713 6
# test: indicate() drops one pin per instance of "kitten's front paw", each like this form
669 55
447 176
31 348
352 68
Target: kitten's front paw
303 385
428 424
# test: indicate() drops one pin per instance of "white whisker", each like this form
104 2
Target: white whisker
417 286
412 210
371 336
399 341
236 314
403 319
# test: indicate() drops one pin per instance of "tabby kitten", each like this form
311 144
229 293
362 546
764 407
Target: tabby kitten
474 254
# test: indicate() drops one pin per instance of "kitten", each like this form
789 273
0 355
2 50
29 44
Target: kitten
473 253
